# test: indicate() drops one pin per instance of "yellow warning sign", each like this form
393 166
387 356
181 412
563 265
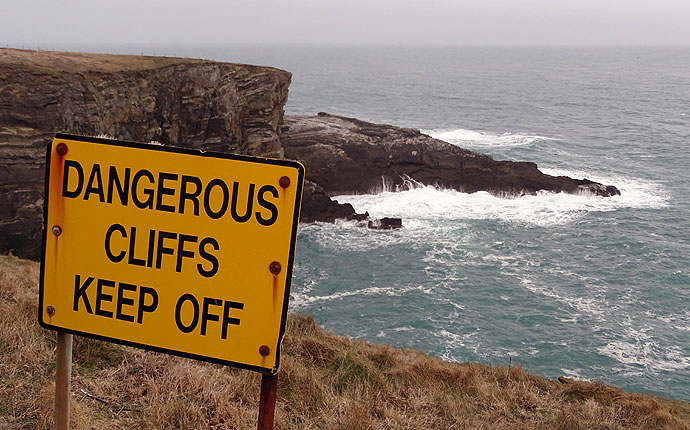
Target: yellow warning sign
169 249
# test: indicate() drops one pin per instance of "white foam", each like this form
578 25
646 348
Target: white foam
351 237
454 340
648 354
477 139
419 203
680 322
594 305
635 192
302 299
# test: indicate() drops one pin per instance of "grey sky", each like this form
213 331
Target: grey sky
354 21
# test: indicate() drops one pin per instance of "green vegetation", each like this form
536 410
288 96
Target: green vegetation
326 382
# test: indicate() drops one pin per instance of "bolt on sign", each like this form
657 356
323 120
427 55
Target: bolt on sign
169 249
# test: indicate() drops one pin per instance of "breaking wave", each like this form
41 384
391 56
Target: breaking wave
477 139
414 201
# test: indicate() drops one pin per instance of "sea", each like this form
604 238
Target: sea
587 287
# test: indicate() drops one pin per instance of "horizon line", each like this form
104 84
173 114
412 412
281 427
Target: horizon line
54 45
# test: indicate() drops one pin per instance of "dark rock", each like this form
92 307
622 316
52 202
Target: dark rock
564 380
598 189
317 206
385 223
197 104
347 155
360 217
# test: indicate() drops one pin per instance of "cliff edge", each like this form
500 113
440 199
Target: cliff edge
191 103
325 382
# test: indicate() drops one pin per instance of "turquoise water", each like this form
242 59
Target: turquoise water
581 286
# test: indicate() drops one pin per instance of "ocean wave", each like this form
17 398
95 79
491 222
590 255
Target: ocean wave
543 209
647 354
302 299
452 341
635 192
594 305
476 139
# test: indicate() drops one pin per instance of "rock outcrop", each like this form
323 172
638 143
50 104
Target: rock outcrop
347 155
192 103
226 108
385 223
318 206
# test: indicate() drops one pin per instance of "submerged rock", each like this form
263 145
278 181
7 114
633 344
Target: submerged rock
385 224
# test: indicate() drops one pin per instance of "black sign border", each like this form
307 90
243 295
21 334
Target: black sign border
187 151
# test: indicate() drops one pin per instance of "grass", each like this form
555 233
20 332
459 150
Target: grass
325 382
75 62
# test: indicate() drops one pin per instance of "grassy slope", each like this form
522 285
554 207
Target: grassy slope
325 381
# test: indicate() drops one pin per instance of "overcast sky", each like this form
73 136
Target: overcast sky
586 22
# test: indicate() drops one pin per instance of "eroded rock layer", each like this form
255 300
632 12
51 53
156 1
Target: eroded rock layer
190 103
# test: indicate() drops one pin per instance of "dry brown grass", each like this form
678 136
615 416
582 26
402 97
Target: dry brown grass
326 382
74 62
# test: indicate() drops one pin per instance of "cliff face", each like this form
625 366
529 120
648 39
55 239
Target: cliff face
218 107
346 155
191 103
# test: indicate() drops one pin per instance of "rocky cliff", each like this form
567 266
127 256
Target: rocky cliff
347 155
191 103
218 107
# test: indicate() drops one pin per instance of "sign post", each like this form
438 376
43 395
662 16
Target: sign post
267 401
63 380
169 249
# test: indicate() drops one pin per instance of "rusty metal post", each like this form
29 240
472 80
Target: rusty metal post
63 380
267 402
